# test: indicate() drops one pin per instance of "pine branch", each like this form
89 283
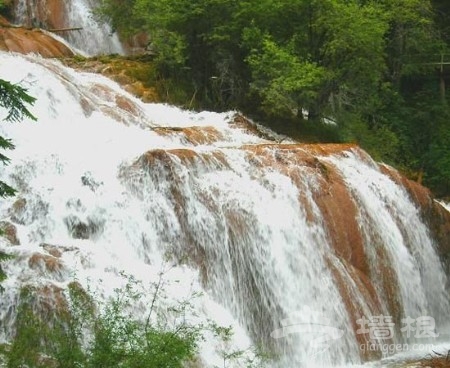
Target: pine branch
5 160
6 190
14 97
6 143
3 257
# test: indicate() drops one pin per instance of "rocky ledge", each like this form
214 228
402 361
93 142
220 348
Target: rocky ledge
31 40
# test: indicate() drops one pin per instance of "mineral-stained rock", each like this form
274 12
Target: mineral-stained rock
32 41
26 211
9 232
193 135
48 14
434 214
29 37
46 263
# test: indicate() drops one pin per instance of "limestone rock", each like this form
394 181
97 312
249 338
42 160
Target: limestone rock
26 41
9 232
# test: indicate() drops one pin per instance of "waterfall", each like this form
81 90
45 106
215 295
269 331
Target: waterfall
93 38
390 221
291 244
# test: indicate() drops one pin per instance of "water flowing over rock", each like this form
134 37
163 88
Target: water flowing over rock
292 244
92 39
31 41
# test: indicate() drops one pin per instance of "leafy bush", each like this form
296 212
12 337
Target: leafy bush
82 332
85 333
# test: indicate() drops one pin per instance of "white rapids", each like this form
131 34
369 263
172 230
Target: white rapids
81 163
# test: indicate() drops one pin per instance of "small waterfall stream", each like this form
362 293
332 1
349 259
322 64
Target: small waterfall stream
92 39
118 186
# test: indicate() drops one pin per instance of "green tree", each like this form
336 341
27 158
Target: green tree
199 40
411 39
284 82
14 99
321 49
196 42
120 15
328 57
437 160
410 105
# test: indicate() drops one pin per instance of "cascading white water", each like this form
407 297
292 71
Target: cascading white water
389 220
67 171
252 246
93 38
256 240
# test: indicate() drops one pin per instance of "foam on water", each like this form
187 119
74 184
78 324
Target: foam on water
256 254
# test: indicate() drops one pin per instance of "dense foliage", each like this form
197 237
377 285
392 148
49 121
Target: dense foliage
82 330
84 333
373 67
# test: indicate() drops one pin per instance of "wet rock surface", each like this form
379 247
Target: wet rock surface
36 41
